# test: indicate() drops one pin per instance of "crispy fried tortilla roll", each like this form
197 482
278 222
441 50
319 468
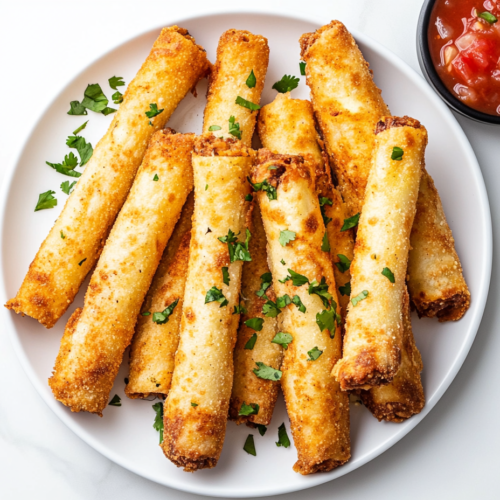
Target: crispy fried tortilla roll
93 344
374 326
173 67
348 104
287 126
247 388
318 409
196 409
239 53
436 282
155 341
404 396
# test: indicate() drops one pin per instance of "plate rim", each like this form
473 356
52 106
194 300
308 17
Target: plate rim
480 299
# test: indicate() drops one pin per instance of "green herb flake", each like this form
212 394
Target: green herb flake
325 245
271 192
117 97
283 262
153 111
206 187
344 263
321 289
216 295
255 324
297 279
326 321
251 341
234 127
146 313
194 405
248 197
270 309
301 307
283 339
282 302
360 297
247 410
488 17
158 423
213 128
82 261
156 178
239 309
249 446
107 111
286 84
66 187
80 128
94 98
350 222
46 200
272 167
314 354
397 153
323 201
345 289
267 372
286 236
238 250
160 318
251 80
63 236
116 81
261 428
388 274
84 148
283 439
116 401
302 66
266 281
225 276
247 104
75 108
67 166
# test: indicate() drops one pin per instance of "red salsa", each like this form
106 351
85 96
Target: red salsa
464 41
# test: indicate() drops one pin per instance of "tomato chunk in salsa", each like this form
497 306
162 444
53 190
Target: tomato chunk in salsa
464 42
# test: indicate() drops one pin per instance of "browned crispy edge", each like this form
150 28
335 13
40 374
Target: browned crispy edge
389 122
209 145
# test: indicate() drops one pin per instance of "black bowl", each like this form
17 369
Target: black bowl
431 75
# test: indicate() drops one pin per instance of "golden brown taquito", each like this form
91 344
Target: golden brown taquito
171 70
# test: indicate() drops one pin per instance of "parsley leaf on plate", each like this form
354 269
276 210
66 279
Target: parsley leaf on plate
262 429
116 81
67 166
286 84
80 128
251 342
251 80
247 104
249 446
153 111
94 98
116 401
285 237
66 187
302 66
270 309
160 318
76 108
83 147
388 274
255 324
213 128
266 281
344 263
397 153
225 276
247 410
267 372
158 423
322 202
46 200
350 222
283 339
238 250
234 128
266 187
345 289
314 354
216 295
359 297
325 244
301 307
283 439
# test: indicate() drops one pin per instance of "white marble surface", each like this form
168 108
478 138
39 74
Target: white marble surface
451 454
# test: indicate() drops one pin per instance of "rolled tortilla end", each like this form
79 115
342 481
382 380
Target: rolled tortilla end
196 410
404 396
91 352
171 70
318 409
156 338
374 326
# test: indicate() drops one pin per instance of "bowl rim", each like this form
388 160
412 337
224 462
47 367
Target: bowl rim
431 75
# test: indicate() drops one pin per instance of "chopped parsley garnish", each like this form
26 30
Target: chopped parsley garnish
158 423
117 97
248 197
206 187
160 318
247 104
63 236
94 98
262 429
301 307
80 128
116 81
234 127
286 84
251 342
239 309
84 148
82 261
325 245
344 263
67 166
388 274
350 222
225 276
282 302
146 313
255 324
247 410
326 321
156 178
194 405
216 295
360 297
302 66
213 128
116 401
283 439
153 111
75 108
249 446
107 111
322 202
285 237
283 339
272 167
266 187
397 153
283 262
238 250
267 372
345 289
297 279
251 80
320 289
314 354
46 200
270 309
266 280
66 187
488 16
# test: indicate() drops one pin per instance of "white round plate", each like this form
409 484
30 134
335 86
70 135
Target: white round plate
125 434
